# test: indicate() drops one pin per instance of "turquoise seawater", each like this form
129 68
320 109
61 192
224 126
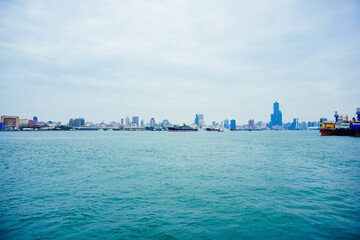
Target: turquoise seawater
163 185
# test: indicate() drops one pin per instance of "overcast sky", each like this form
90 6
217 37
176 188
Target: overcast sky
173 59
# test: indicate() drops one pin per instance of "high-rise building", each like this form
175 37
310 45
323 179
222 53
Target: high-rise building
122 121
251 123
295 124
127 121
142 122
199 119
276 117
213 124
165 123
76 122
152 122
232 124
135 120
226 123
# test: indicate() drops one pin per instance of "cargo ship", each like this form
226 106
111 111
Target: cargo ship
183 128
355 124
343 129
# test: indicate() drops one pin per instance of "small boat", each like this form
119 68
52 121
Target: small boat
213 129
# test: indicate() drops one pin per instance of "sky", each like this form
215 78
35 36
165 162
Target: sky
105 60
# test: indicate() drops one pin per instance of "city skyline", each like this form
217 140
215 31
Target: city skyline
170 60
275 119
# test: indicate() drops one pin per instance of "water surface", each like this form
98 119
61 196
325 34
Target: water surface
163 185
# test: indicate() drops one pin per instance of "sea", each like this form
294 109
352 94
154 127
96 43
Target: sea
179 185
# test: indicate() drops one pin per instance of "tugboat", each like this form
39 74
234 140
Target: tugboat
355 125
183 128
327 128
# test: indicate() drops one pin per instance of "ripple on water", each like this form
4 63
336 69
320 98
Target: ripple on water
131 185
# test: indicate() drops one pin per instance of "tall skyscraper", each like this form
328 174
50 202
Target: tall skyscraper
152 122
122 121
135 120
232 124
127 121
199 119
276 117
251 123
226 124
142 122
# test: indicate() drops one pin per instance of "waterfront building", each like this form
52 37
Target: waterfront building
213 124
32 123
10 121
276 117
76 122
323 119
142 122
23 122
122 121
226 124
303 126
199 119
232 124
127 121
312 124
295 124
152 122
251 123
165 123
135 121
260 125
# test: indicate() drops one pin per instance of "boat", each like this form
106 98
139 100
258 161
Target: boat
183 128
213 129
343 129
326 128
355 124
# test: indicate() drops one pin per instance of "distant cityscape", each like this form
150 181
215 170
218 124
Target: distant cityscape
14 123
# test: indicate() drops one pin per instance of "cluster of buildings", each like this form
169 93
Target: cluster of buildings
11 123
275 123
15 123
